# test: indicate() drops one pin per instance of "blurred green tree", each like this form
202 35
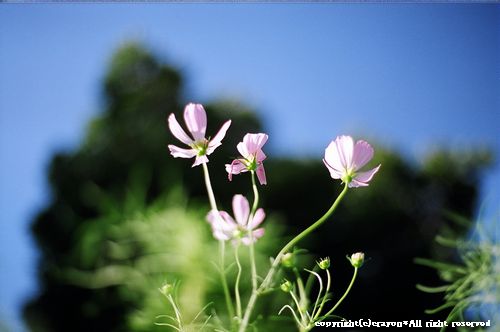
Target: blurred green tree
118 224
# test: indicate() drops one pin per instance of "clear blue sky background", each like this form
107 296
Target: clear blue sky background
415 77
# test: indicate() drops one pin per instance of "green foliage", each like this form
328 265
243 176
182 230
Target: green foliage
472 285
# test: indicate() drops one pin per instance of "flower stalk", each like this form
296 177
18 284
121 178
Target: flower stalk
222 244
268 279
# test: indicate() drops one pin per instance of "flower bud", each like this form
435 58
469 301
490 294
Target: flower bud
288 260
166 289
324 263
357 259
286 286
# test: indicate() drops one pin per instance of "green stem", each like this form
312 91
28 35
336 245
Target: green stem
323 301
176 311
210 191
345 294
251 247
237 283
267 280
301 235
252 263
302 291
310 279
255 194
302 319
222 268
225 287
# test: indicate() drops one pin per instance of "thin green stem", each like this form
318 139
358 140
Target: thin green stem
237 283
222 246
251 246
302 319
302 291
301 235
320 291
345 294
225 287
268 279
255 194
323 301
252 263
176 311
210 191
310 279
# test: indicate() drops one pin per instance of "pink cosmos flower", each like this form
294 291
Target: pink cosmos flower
195 118
226 228
343 159
251 150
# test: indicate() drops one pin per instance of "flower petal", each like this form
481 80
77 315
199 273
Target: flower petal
254 142
222 224
261 174
196 120
236 167
363 153
260 156
362 179
212 216
334 173
200 160
229 225
243 149
332 159
177 131
256 234
257 219
178 152
241 209
345 148
219 235
217 140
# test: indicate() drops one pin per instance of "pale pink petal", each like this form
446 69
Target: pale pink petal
246 240
236 167
212 216
178 152
345 148
259 140
356 184
333 172
249 143
177 131
362 179
220 235
254 142
332 158
243 149
229 225
260 156
241 209
216 141
256 234
219 218
196 120
200 160
222 224
363 153
261 174
257 219
218 225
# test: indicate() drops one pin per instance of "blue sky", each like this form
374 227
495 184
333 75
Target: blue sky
415 77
